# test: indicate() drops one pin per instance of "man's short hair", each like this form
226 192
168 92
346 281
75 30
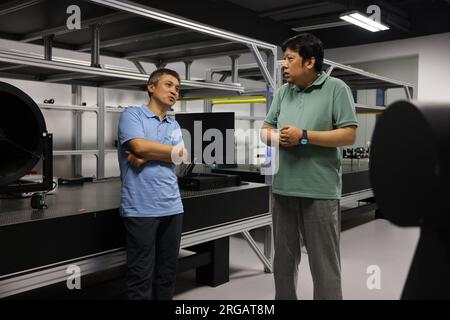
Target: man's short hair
158 73
307 46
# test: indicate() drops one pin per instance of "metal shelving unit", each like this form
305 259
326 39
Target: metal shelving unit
356 79
120 29
133 32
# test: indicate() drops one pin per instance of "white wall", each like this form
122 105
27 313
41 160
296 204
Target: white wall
433 61
405 69
422 61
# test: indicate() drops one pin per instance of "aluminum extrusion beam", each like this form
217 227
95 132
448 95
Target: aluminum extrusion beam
77 137
187 70
356 196
114 109
365 73
48 46
95 45
257 251
11 57
109 18
330 70
10 68
67 108
121 83
101 133
206 55
74 152
165 17
408 92
264 69
58 273
251 118
138 37
234 68
176 48
67 76
244 66
139 66
14 6
333 65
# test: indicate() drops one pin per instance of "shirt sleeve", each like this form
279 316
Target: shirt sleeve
274 111
177 136
344 113
130 126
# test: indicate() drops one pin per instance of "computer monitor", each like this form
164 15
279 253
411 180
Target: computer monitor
209 137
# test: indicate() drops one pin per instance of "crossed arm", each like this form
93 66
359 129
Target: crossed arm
289 136
143 150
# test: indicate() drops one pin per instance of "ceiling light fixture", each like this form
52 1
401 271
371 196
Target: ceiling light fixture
364 22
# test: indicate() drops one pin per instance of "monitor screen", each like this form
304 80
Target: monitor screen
208 137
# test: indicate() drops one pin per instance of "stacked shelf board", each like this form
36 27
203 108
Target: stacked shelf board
117 29
33 67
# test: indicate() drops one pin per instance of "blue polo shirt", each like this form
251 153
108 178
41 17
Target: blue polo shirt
150 190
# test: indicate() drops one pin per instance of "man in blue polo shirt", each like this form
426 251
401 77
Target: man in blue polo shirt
151 207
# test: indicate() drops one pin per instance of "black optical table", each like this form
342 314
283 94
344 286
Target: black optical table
355 183
82 226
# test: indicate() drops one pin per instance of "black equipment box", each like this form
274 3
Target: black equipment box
205 181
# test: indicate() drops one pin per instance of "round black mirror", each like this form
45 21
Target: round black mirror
21 129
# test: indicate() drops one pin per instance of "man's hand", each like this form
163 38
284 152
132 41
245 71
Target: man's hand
290 136
134 159
179 154
269 135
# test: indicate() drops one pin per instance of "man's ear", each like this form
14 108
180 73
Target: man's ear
310 63
151 87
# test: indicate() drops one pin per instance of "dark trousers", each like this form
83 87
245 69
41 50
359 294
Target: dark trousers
152 245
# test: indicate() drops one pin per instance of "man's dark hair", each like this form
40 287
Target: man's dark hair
307 46
158 73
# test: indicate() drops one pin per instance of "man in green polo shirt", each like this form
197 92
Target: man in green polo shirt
311 116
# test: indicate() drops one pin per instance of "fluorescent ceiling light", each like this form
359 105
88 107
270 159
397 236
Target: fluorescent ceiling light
373 23
363 21
359 23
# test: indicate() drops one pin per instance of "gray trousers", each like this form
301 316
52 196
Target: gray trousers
316 223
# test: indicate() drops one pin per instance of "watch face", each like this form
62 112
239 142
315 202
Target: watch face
303 141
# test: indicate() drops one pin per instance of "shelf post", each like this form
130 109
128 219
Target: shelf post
187 76
77 131
95 45
234 68
48 46
101 133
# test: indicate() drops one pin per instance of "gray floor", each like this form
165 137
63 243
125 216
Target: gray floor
375 243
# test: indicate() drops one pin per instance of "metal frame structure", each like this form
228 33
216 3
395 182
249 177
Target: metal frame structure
82 73
48 68
57 273
361 79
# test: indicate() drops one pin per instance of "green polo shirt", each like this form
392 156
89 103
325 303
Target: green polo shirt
311 171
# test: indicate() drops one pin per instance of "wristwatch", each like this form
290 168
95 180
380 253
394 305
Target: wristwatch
304 139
